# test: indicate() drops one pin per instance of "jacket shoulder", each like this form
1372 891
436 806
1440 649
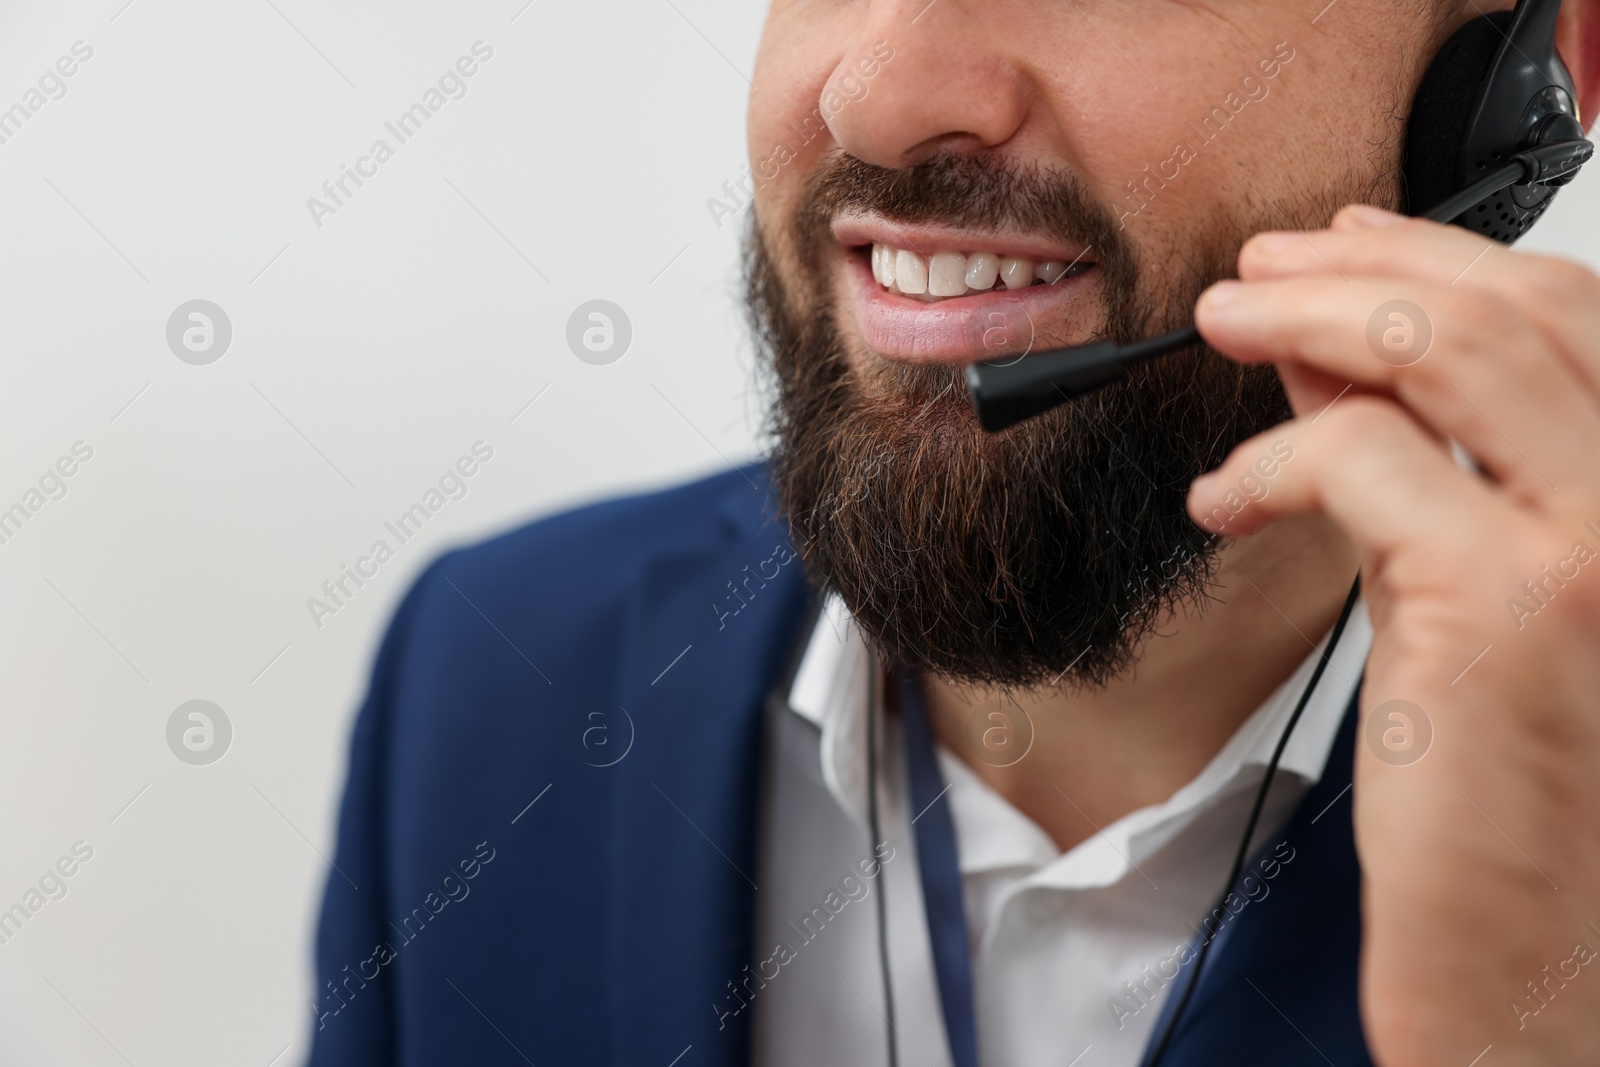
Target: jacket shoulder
616 537
579 659
564 592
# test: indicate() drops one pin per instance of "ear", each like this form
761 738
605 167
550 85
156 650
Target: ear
1578 41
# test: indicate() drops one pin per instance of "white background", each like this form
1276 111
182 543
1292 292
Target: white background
368 354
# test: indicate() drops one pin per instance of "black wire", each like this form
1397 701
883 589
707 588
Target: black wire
1554 163
1511 174
1507 176
874 707
1159 1049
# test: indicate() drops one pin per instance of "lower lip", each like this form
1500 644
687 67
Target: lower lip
965 329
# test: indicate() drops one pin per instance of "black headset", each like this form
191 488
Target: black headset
1493 133
1497 88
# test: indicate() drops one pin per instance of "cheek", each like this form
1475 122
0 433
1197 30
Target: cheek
795 61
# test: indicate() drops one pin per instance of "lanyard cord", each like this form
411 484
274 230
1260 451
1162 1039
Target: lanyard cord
874 710
939 864
1159 1047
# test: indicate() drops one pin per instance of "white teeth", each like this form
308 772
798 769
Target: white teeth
910 273
982 269
947 274
1016 273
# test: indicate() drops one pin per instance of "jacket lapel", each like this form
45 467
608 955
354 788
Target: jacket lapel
1280 985
709 634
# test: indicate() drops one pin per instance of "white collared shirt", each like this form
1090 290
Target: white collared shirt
1065 945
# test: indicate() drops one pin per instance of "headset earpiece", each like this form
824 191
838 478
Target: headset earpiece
1496 88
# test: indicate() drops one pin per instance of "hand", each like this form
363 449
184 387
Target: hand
1481 860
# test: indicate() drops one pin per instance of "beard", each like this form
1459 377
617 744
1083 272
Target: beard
1047 551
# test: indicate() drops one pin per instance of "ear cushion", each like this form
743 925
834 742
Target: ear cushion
1442 108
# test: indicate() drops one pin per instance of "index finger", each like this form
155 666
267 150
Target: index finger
1559 298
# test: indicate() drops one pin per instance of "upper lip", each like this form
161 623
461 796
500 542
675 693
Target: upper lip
855 230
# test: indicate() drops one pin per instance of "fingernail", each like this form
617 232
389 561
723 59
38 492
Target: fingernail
1373 217
1274 243
1222 294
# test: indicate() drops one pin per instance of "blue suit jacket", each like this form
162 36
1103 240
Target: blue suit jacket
501 896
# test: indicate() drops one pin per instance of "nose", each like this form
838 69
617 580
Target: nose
948 83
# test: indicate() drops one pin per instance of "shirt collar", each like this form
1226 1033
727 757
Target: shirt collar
831 691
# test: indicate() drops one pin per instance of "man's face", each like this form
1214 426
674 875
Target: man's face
962 180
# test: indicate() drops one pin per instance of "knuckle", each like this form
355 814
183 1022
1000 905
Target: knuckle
1348 213
1364 438
1563 281
1360 418
1253 258
1557 574
1470 321
1476 327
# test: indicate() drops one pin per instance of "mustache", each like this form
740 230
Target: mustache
973 191
967 190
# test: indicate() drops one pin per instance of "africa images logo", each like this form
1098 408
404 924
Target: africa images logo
848 88
453 889
854 886
452 85
452 485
